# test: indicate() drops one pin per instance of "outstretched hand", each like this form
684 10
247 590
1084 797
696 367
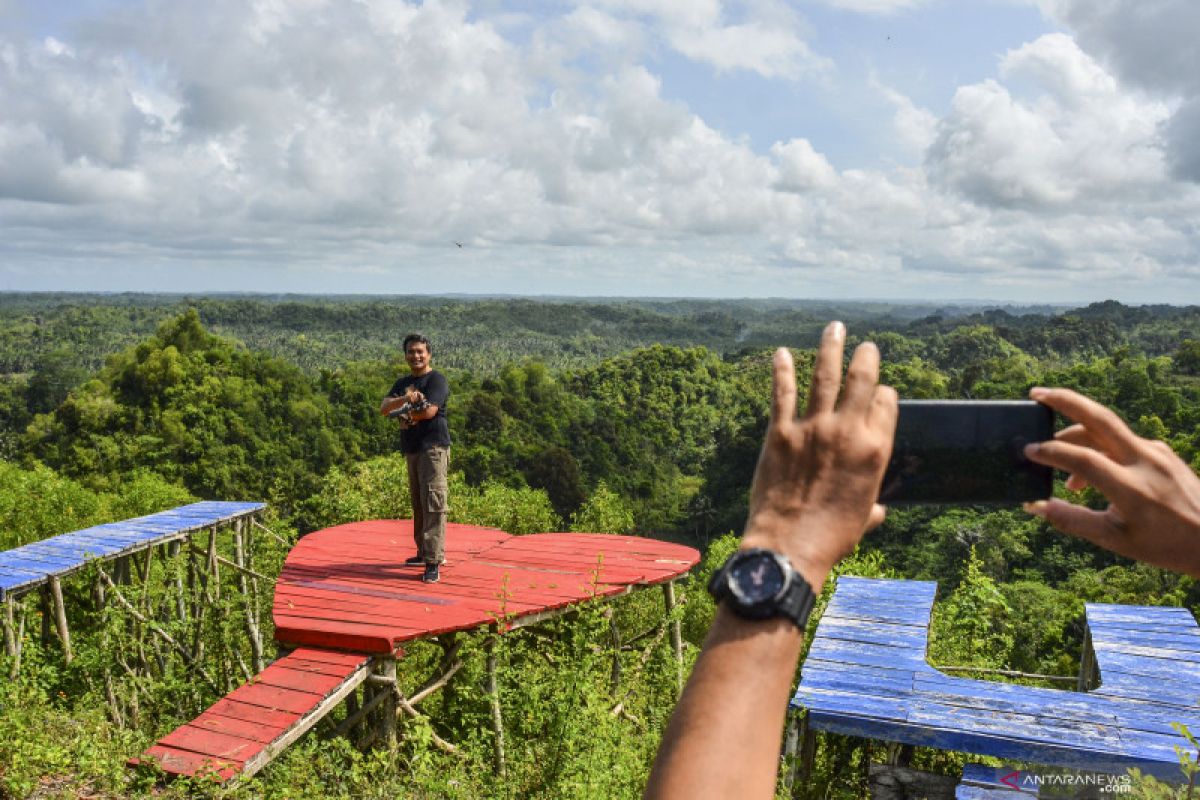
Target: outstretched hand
818 476
1154 497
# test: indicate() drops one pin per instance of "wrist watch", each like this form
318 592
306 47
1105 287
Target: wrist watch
760 584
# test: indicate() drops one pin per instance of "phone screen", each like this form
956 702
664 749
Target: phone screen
967 452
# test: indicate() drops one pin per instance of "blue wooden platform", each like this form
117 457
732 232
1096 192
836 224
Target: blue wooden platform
866 675
25 568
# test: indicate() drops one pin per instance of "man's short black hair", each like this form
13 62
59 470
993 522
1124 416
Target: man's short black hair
418 337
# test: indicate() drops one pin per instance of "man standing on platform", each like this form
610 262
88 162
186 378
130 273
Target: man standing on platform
418 400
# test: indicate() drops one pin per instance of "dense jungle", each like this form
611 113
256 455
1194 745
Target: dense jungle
603 415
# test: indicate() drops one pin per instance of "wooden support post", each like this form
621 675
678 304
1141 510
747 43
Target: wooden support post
1087 662
369 691
16 662
676 636
180 596
60 617
10 630
121 570
791 741
808 748
44 605
245 583
213 566
249 591
352 707
387 670
497 718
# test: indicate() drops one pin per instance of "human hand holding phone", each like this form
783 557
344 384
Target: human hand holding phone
1154 498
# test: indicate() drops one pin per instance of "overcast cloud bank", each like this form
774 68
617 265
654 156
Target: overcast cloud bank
320 145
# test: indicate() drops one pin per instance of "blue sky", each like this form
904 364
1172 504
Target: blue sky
1030 150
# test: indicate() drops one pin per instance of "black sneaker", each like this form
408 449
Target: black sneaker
414 561
431 574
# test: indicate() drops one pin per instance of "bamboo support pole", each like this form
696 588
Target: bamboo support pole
386 673
45 607
790 742
360 715
438 684
239 554
647 651
179 648
180 596
352 707
16 663
60 617
497 717
1087 664
98 593
273 534
10 630
676 635
438 741
213 567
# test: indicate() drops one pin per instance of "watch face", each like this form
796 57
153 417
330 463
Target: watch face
756 578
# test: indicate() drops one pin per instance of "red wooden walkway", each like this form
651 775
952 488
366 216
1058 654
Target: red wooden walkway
347 589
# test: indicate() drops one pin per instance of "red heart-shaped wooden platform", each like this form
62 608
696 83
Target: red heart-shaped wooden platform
347 587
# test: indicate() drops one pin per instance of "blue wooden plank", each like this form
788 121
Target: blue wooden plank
11 558
1151 668
836 676
74 553
1126 713
86 544
827 701
881 613
911 636
872 655
1185 643
1110 613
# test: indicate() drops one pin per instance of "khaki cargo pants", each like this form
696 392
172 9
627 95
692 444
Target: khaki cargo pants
429 489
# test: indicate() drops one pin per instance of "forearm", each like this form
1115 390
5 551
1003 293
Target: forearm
429 412
732 712
390 404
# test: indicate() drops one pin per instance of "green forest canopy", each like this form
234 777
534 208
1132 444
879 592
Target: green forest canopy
630 415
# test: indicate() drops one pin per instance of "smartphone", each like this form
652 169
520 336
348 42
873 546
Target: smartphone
967 452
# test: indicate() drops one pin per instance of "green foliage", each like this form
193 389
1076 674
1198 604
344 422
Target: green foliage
640 416
973 625
604 512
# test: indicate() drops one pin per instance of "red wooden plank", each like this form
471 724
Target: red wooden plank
299 680
254 731
327 656
320 667
345 636
274 697
184 762
212 743
228 706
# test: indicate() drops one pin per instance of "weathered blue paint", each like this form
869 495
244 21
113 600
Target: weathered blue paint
866 675
26 567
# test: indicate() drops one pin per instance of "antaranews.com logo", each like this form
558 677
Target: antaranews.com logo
1063 784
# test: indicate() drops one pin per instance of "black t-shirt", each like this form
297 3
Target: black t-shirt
428 432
